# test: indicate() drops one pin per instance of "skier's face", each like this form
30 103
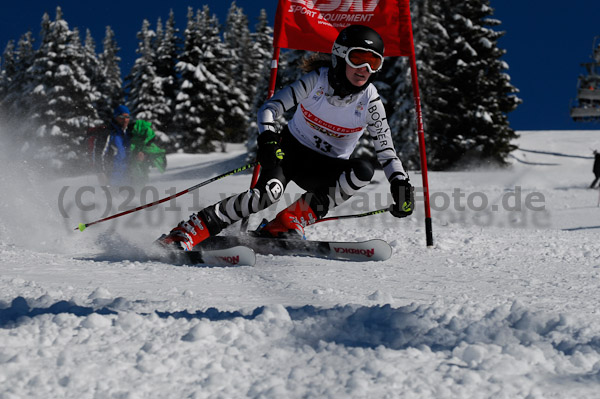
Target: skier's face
122 120
357 76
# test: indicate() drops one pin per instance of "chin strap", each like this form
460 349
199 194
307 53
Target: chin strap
338 80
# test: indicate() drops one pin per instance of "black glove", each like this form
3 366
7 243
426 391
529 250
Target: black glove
404 198
269 153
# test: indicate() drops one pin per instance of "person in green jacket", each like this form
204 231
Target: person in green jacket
122 152
144 153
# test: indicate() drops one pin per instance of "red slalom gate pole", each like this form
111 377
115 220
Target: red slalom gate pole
272 82
421 136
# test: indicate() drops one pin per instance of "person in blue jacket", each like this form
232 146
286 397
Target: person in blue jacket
114 150
123 152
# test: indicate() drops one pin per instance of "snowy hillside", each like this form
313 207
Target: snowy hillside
505 305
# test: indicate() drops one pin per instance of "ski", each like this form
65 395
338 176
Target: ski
237 255
359 251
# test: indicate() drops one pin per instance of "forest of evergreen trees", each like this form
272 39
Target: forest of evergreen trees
201 87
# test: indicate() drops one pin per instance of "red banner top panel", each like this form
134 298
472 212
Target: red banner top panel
314 24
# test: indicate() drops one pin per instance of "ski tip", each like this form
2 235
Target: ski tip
233 256
81 227
384 249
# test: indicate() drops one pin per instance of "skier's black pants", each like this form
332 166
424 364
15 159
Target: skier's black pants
328 182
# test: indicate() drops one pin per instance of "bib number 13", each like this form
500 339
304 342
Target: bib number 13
322 145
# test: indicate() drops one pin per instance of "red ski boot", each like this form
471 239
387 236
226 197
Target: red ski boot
186 235
290 222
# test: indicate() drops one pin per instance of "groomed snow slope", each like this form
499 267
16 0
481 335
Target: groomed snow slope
504 305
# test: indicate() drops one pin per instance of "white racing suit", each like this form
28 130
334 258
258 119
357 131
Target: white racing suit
317 143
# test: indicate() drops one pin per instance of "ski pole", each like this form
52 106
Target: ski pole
83 226
359 215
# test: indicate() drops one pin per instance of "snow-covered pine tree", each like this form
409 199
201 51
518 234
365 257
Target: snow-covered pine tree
238 44
167 48
111 85
189 118
431 43
483 92
218 86
145 91
8 72
200 117
59 94
17 81
260 58
401 109
91 65
262 49
14 106
465 92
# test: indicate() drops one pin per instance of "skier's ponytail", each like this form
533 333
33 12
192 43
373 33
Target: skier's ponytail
315 61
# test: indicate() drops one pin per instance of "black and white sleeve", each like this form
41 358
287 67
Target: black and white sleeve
379 130
284 100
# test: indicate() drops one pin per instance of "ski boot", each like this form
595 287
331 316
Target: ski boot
290 222
190 233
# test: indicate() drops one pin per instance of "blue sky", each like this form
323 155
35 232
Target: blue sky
546 40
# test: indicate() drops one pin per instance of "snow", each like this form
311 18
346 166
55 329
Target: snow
504 305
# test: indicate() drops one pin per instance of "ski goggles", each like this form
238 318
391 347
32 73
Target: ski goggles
358 57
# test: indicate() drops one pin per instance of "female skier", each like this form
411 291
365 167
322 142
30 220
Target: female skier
335 103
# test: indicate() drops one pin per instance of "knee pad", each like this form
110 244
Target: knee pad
362 169
272 190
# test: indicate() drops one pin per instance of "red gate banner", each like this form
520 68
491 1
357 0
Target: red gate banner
314 24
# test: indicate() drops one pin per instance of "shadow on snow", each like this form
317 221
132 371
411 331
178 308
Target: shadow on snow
409 326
